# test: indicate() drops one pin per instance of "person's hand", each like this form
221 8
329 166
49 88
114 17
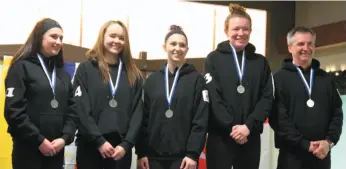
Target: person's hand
119 153
322 150
313 146
242 141
188 163
106 150
46 148
240 133
58 144
143 163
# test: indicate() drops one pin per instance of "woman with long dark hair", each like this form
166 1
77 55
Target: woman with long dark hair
39 99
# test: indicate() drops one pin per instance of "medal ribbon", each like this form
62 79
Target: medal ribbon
169 95
242 70
52 82
308 88
114 88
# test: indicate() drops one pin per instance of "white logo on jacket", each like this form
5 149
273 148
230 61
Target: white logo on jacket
78 92
10 92
208 78
205 95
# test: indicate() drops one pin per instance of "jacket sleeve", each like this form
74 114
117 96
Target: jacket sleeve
218 106
136 118
264 104
196 141
71 118
142 145
283 124
86 124
335 125
15 106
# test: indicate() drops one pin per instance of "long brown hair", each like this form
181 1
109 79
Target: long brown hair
97 53
33 44
235 10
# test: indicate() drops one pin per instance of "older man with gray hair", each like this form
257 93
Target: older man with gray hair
307 115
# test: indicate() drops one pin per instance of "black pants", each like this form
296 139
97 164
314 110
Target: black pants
301 160
164 164
224 153
88 157
27 156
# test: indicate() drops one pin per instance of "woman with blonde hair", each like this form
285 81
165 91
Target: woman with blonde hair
241 94
108 91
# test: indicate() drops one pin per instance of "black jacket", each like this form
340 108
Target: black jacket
98 121
295 123
228 107
28 111
184 133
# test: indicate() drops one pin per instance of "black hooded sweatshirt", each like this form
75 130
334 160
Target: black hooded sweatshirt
228 107
28 111
184 133
295 123
98 121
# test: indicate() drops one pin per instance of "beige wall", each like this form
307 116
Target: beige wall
311 14
318 13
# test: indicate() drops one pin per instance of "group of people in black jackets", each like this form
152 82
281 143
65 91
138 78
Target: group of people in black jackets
167 118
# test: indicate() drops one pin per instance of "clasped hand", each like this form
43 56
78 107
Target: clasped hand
240 133
107 151
48 148
319 148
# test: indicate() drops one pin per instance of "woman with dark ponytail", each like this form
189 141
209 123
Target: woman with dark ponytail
175 114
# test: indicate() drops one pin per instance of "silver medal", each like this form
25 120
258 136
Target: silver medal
169 113
113 103
310 103
54 103
241 89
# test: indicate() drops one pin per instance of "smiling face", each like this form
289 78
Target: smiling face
302 47
176 47
238 32
114 39
52 42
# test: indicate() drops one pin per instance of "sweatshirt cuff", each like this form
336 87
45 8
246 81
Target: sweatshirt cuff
249 123
40 139
331 139
193 156
305 144
100 141
67 139
126 145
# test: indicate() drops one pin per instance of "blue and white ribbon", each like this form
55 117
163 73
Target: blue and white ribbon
242 70
52 82
307 86
169 95
114 88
